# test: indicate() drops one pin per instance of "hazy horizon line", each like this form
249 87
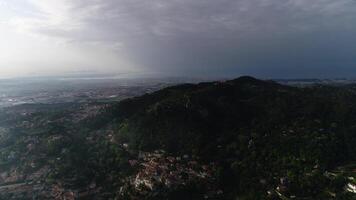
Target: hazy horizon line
137 75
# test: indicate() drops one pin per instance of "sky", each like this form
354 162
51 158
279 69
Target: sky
263 38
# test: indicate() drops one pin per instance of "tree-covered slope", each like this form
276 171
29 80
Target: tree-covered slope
257 132
237 139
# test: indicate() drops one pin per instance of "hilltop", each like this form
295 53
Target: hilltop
255 131
243 138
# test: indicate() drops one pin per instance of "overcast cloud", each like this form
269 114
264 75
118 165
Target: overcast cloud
268 38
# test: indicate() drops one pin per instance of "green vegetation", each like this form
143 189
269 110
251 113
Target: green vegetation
265 141
257 131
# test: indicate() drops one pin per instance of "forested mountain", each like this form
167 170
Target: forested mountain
237 139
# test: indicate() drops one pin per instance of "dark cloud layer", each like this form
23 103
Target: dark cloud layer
276 38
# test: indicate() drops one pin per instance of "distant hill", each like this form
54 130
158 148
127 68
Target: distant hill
256 130
188 117
238 139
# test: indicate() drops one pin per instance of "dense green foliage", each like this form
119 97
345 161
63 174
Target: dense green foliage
257 131
266 140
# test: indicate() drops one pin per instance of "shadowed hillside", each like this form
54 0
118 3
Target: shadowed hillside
237 139
257 132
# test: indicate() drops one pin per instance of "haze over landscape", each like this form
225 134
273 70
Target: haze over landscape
177 99
264 38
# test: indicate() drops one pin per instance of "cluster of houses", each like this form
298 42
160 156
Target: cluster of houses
59 193
158 171
88 111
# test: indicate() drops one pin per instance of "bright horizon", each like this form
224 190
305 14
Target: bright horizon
263 38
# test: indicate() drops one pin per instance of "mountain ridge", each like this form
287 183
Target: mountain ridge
237 139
